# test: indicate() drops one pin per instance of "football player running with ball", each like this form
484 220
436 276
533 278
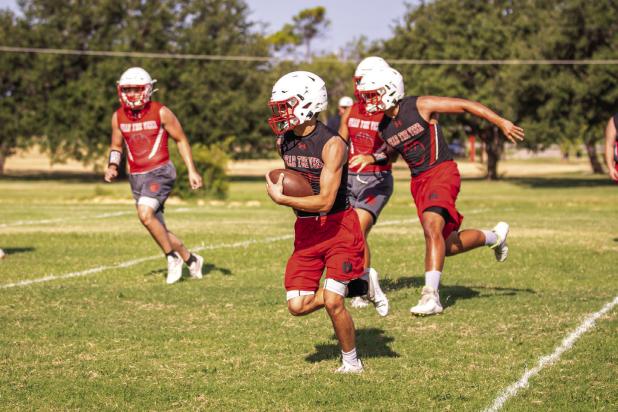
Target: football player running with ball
144 126
327 231
370 185
409 128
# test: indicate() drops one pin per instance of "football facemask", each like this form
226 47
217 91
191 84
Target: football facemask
283 118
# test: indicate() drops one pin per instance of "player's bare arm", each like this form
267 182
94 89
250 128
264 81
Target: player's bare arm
427 105
383 155
610 144
115 151
174 129
343 127
334 154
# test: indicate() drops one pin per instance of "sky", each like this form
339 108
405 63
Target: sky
350 19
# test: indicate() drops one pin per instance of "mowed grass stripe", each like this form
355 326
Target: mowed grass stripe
72 219
131 342
548 360
134 262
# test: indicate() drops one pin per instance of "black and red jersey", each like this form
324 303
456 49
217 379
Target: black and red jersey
364 137
304 154
421 144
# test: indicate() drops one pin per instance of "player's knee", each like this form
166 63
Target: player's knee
333 304
453 245
432 230
146 215
295 307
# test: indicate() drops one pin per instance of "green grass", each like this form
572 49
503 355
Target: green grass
122 339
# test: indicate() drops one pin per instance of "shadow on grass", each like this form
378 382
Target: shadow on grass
402 283
450 294
370 343
16 250
206 269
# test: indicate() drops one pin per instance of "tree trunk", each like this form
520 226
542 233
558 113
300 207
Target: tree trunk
591 149
493 149
2 160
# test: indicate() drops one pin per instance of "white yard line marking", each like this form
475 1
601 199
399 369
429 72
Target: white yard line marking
397 222
137 261
548 360
58 220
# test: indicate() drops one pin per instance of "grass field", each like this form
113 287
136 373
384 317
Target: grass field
119 338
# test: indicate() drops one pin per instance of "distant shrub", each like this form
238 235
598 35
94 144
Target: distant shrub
211 162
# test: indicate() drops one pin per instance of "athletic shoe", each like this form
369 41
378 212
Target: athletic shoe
196 267
359 302
501 250
174 269
347 368
429 303
375 294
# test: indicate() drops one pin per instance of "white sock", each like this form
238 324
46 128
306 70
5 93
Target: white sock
490 237
350 357
432 279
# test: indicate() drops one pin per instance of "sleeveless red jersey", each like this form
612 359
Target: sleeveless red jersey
145 138
364 137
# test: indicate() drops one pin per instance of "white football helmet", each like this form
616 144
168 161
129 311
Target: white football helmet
296 98
380 90
369 64
135 77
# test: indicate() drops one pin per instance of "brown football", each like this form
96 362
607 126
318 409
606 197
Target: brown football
294 184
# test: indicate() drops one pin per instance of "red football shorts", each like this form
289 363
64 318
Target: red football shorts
439 187
332 241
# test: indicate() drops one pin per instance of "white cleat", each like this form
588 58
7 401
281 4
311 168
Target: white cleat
195 270
429 303
501 250
375 294
348 368
359 302
174 269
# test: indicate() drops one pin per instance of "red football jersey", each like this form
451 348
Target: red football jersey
364 136
145 138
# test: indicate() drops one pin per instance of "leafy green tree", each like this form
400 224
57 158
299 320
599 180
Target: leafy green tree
71 97
221 102
307 25
569 103
458 29
16 105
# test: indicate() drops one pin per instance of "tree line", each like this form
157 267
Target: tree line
64 102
